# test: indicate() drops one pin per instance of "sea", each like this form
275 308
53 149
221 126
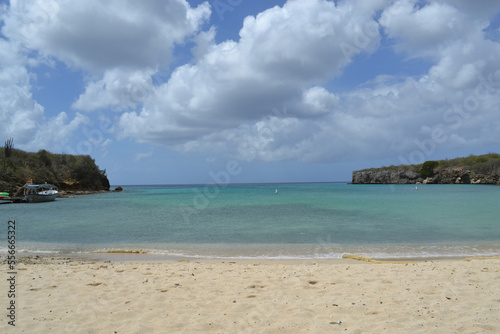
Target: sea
265 221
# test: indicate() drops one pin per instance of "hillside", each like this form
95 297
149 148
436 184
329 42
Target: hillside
68 172
480 169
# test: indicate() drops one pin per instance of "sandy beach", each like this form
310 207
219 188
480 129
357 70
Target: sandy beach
77 295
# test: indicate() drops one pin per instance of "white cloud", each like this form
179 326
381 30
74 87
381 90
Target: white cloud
142 156
98 35
261 97
126 42
317 101
119 88
124 39
21 117
421 31
19 113
268 95
281 54
54 132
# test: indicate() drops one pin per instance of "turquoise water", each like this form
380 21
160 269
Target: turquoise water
301 221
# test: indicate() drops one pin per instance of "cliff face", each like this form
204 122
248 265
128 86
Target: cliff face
399 176
450 175
67 172
482 171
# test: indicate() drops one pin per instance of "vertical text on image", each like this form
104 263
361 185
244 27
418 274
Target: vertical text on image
11 265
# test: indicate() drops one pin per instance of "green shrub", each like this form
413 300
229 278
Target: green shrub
427 169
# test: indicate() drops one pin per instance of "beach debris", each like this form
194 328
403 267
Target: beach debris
95 284
339 322
125 251
482 258
253 286
369 259
145 280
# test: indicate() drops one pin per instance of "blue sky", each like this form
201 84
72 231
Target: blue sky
176 91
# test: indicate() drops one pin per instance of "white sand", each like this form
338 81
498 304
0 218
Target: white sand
210 296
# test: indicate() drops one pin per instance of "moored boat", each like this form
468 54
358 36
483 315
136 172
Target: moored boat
34 193
4 198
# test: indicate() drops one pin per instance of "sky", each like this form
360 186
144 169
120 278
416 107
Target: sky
241 91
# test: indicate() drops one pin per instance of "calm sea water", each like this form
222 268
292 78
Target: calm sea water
301 221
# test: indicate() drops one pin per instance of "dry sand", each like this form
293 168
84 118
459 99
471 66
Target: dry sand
62 295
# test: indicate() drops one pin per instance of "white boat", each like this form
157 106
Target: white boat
34 193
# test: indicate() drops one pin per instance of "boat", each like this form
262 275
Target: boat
35 193
4 198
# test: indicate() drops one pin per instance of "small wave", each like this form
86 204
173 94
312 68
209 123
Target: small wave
122 251
272 251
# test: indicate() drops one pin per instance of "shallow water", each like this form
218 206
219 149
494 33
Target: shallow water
301 221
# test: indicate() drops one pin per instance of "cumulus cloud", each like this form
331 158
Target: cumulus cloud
421 31
128 42
54 131
21 116
282 55
97 35
268 95
117 42
23 119
18 112
262 97
119 88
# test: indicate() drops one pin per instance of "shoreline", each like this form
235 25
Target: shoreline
301 252
143 257
81 295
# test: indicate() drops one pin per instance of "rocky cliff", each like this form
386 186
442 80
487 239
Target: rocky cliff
483 169
68 172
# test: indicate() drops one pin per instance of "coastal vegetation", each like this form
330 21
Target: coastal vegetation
480 169
7 151
427 169
487 163
68 172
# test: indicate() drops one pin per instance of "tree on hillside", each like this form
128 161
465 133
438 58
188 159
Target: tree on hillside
427 169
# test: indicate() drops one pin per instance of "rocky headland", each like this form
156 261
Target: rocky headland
72 174
483 169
